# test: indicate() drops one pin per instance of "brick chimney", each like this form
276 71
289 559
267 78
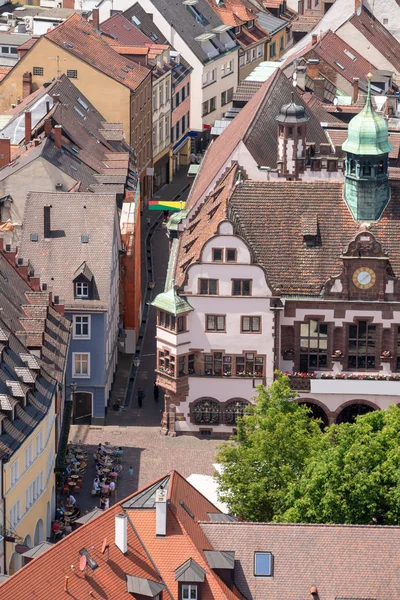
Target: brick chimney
5 151
47 221
319 88
358 4
26 84
95 18
28 126
57 136
355 89
314 39
47 127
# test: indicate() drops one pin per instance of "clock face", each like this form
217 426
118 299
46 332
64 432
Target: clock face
364 278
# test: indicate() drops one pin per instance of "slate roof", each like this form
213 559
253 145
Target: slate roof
256 126
270 216
270 23
185 23
56 260
75 35
149 563
336 559
147 25
246 90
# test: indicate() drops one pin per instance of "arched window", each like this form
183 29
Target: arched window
206 411
235 409
352 166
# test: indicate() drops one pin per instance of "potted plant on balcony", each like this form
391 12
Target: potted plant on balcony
226 373
337 355
386 356
327 376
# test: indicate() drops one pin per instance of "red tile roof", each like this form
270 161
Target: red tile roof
76 36
378 36
44 577
124 32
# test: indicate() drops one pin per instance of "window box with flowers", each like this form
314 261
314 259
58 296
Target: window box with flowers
386 356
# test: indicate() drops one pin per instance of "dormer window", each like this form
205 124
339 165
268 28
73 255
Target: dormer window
250 24
238 30
189 591
81 289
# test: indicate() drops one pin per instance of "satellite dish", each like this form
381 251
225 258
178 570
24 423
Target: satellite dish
104 546
82 563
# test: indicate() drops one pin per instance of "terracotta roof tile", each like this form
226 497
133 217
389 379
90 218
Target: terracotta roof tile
45 575
378 36
75 35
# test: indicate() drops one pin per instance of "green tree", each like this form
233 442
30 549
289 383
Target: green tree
273 442
353 475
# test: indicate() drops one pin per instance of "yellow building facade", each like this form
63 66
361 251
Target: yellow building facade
46 60
30 490
276 46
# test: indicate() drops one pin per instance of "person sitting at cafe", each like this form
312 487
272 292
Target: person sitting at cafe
71 501
112 486
105 490
96 485
59 512
113 475
118 453
57 531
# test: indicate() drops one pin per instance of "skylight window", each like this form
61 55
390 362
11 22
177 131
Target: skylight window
84 239
34 237
339 65
136 21
80 113
75 149
127 27
83 104
349 54
121 76
153 36
68 45
263 564
124 70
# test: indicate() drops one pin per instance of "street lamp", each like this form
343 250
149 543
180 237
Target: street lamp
73 387
136 362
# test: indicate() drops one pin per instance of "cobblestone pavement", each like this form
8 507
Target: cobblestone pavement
150 453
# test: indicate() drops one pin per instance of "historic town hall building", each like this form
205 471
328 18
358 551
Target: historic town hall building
294 267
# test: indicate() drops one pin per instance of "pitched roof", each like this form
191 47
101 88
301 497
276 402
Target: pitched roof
378 36
256 126
149 564
185 22
123 31
75 35
335 558
56 260
339 56
270 216
146 24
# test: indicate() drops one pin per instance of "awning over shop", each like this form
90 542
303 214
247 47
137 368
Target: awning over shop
170 205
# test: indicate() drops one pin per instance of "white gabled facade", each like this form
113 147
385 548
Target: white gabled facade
213 364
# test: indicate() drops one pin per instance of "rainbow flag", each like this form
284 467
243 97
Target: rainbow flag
166 205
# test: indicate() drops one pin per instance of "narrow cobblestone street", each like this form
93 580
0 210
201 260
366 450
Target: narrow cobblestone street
136 429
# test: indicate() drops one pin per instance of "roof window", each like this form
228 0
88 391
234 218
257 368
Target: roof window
83 104
68 45
349 54
84 239
263 564
339 65
80 113
34 237
127 27
135 20
186 508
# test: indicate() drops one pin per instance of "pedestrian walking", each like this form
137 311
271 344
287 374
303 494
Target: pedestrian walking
130 471
140 396
156 392
148 221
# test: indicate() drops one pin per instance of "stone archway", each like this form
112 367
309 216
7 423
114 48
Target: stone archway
39 533
28 543
14 564
318 411
348 412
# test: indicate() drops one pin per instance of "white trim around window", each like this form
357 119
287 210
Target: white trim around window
81 327
81 365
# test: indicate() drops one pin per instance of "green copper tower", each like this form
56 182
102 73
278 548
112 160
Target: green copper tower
366 186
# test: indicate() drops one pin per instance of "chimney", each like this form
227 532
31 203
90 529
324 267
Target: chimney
161 513
319 88
121 532
26 84
301 77
46 221
47 127
5 151
57 136
355 89
358 4
28 126
36 142
95 18
314 39
56 98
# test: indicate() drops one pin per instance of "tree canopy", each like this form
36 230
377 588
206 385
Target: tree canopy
274 440
282 467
